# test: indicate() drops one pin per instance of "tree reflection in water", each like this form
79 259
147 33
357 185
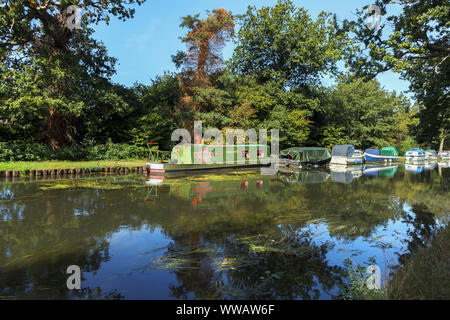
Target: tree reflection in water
232 235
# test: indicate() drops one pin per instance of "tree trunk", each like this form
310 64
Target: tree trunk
56 129
444 135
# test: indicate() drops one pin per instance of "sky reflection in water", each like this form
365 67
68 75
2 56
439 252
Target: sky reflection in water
235 235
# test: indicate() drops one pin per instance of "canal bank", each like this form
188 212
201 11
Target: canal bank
65 168
55 168
423 274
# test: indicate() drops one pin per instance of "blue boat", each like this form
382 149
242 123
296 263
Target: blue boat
415 154
385 155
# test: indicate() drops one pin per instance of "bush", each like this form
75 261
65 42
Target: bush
25 152
40 152
112 151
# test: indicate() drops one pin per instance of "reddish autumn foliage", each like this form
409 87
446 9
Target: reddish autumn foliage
205 42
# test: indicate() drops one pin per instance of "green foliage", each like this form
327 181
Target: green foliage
40 152
357 279
273 81
366 116
116 152
283 42
51 75
158 114
415 43
332 136
24 152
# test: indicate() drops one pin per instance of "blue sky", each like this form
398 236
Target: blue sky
144 45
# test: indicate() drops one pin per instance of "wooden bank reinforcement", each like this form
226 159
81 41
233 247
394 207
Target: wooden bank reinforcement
67 172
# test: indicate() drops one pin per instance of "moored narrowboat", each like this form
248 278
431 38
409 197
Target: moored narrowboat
191 157
346 155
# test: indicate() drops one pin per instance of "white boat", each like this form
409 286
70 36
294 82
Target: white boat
431 155
415 154
444 164
346 155
430 165
444 155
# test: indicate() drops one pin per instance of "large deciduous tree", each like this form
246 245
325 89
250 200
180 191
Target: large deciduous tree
51 71
414 40
361 113
284 43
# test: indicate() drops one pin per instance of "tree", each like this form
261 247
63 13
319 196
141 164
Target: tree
415 43
365 115
51 69
284 43
159 112
203 61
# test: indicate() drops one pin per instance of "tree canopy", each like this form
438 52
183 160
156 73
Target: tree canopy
56 88
414 42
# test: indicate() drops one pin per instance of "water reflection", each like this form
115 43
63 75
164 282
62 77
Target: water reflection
415 168
232 235
345 174
380 171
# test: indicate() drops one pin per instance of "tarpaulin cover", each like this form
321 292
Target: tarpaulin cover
389 151
374 152
306 154
343 151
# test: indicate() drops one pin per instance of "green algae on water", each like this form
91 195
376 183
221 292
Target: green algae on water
82 185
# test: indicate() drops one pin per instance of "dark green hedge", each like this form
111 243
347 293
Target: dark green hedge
39 152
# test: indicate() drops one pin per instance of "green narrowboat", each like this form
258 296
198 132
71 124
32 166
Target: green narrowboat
190 157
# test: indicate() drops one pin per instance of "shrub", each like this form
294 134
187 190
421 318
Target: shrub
39 152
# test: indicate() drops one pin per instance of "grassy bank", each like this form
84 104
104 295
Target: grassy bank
425 275
41 165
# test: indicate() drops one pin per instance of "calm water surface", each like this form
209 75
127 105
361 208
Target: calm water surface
235 235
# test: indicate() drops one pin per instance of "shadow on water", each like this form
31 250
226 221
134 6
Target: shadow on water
236 235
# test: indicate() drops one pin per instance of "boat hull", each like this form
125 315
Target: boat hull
167 167
288 163
347 160
379 158
415 158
